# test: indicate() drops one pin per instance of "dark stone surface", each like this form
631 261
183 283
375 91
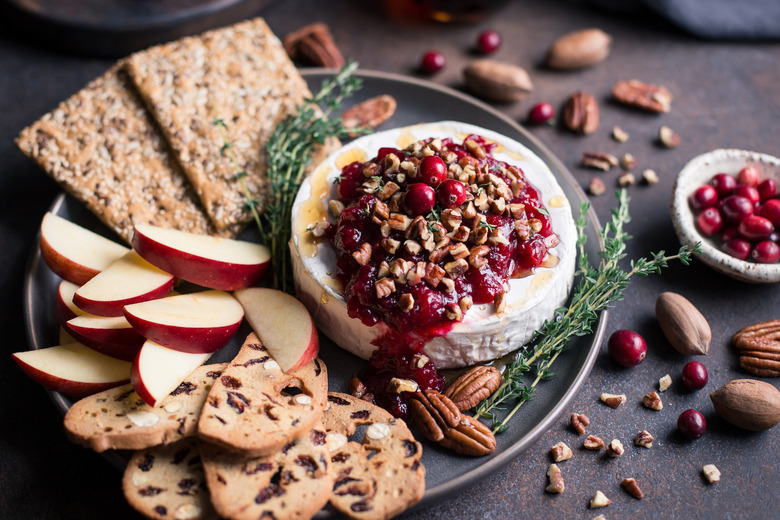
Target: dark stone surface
726 95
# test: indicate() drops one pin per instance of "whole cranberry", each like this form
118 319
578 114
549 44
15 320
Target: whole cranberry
432 62
488 42
766 252
692 424
755 228
419 199
738 248
748 176
771 210
736 208
748 192
767 189
723 183
541 113
432 170
704 197
451 193
728 232
709 221
626 347
694 375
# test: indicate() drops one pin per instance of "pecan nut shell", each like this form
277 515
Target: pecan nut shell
314 44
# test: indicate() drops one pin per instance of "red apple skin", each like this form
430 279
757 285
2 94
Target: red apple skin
121 344
65 267
206 272
311 351
116 307
137 382
72 389
184 339
61 308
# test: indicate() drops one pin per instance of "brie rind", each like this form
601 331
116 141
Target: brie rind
482 335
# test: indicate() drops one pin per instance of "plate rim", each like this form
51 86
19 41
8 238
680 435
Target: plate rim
492 465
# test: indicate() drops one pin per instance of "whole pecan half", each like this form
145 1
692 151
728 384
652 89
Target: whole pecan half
759 346
314 44
581 113
473 387
638 94
370 113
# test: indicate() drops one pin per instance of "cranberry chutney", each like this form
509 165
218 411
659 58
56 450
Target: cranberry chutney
446 244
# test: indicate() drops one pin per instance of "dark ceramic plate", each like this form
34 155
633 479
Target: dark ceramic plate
418 101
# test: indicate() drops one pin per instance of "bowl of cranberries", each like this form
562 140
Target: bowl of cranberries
728 201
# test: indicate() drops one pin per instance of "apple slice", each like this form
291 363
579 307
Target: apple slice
158 370
112 336
76 253
283 325
213 262
74 370
198 322
64 306
131 279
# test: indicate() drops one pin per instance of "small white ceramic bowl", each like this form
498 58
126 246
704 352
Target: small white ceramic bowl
699 171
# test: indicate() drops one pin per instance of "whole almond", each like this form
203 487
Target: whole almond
683 325
748 403
497 80
579 49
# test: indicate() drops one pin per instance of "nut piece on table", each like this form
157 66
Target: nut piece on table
626 179
581 113
619 135
650 177
397 385
644 439
579 49
599 500
667 137
599 160
560 452
683 325
615 448
497 80
314 44
600 517
556 479
628 162
635 93
759 348
613 400
596 186
579 422
370 113
631 487
593 443
664 383
652 401
473 387
711 473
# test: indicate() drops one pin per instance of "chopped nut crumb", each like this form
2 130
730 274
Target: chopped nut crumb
613 400
579 422
628 162
593 443
398 386
556 479
619 135
664 383
626 179
599 500
653 401
560 452
615 448
649 176
596 186
600 517
632 488
711 473
668 137
644 439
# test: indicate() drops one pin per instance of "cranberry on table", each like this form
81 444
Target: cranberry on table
735 208
420 198
451 193
771 210
432 62
738 248
748 192
767 189
433 171
704 197
692 424
709 221
488 42
626 347
723 183
694 375
748 176
766 252
755 228
544 112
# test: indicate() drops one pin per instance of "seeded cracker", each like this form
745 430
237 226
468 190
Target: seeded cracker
239 74
103 148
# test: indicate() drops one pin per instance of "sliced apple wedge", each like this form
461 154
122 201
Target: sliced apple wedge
64 306
158 370
283 325
213 262
76 253
112 336
131 279
198 322
74 370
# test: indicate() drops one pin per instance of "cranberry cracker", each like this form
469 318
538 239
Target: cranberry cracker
443 244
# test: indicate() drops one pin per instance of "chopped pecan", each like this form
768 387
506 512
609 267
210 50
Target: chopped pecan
599 160
433 274
596 186
560 452
631 487
447 284
460 235
320 229
615 448
469 212
664 383
363 255
451 218
579 422
384 287
644 439
456 267
475 149
556 479
628 162
649 176
619 135
499 302
459 250
668 137
335 207
465 303
390 245
389 189
384 270
399 221
711 473
593 443
497 237
370 113
314 44
599 500
477 257
581 113
473 387
412 247
398 385
406 302
453 312
522 229
626 179
653 401
415 274
635 93
517 210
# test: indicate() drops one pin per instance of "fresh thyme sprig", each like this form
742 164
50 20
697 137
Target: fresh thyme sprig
288 152
596 290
